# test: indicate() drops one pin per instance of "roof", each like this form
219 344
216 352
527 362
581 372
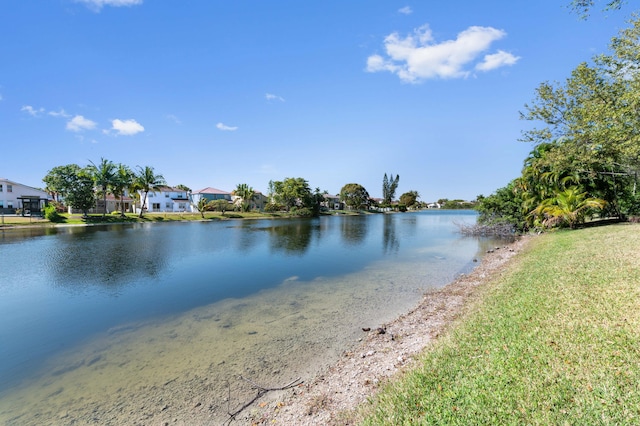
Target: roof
210 190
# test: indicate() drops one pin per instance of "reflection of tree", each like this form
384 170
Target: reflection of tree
293 237
106 256
390 243
354 229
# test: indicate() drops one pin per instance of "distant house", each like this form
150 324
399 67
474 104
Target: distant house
166 199
14 195
209 194
257 203
332 202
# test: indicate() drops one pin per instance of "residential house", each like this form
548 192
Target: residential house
257 203
14 195
332 202
166 199
209 194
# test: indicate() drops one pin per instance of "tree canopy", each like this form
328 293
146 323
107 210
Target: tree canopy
586 153
354 195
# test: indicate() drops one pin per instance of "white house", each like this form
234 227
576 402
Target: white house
14 195
166 199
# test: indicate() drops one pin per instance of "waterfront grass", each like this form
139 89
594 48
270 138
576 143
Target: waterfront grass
554 339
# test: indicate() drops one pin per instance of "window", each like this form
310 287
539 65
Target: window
0 187
166 195
155 206
1 204
168 205
9 188
9 204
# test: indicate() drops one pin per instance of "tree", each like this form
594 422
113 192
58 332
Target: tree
409 198
292 192
591 128
147 180
123 180
568 207
354 195
80 192
582 7
204 205
103 176
60 180
246 194
221 205
389 186
183 187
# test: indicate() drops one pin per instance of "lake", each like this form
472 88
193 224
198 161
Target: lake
92 315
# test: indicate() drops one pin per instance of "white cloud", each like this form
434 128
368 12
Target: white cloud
61 113
224 127
79 123
418 57
32 111
272 97
97 5
497 60
405 10
126 127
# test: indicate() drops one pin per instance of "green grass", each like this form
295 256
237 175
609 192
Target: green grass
555 339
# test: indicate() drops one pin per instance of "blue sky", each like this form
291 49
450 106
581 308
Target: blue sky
217 93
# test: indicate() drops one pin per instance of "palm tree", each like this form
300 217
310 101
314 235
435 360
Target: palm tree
123 180
246 193
147 180
103 176
568 207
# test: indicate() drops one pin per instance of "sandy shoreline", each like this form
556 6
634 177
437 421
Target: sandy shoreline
332 395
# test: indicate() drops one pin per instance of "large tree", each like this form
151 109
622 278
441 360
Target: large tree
103 175
355 196
60 180
409 198
293 192
147 180
79 193
389 186
590 127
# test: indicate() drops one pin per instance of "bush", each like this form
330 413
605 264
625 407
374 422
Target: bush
51 214
273 207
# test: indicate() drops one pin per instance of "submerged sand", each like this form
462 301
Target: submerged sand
173 372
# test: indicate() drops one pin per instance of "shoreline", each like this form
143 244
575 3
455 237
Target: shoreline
332 397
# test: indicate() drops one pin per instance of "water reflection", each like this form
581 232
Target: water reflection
106 256
293 238
390 243
354 229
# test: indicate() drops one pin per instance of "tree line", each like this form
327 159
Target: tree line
586 154
80 188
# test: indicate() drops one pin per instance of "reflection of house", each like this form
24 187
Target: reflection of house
166 199
209 194
15 195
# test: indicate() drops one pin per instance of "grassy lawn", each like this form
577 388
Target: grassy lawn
555 339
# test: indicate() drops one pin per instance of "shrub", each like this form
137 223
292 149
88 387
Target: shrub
51 214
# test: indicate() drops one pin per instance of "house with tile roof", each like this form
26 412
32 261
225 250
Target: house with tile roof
210 194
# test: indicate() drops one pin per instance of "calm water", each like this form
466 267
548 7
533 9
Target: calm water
61 289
